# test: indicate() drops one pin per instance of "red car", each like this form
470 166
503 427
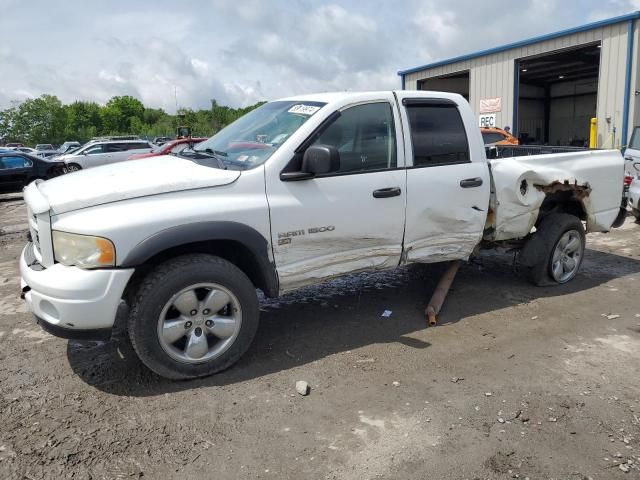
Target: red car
174 146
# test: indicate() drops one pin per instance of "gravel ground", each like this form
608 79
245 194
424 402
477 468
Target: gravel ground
515 382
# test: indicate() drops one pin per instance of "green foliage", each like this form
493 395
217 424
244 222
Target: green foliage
46 120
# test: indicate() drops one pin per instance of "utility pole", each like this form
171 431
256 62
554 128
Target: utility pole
175 96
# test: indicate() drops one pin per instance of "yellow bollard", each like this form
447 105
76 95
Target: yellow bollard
593 129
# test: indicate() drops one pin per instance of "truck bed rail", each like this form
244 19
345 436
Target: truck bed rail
504 151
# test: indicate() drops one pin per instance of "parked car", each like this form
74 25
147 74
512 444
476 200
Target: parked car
497 136
161 140
31 151
294 193
174 147
44 146
18 169
47 153
633 188
103 152
13 145
66 147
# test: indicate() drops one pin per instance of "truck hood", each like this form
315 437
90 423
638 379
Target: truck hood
126 180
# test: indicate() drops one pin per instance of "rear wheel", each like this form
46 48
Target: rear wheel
553 254
193 316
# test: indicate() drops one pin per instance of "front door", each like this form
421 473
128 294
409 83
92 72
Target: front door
448 180
14 172
348 220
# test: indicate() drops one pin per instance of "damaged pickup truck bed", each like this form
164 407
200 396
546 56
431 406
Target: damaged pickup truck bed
296 192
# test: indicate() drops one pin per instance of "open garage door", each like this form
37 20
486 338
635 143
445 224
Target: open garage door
557 96
454 83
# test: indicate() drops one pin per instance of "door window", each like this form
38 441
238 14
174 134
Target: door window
7 163
437 134
365 137
136 146
115 147
94 150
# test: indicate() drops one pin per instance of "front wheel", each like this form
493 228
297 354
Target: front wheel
193 316
636 213
553 254
73 167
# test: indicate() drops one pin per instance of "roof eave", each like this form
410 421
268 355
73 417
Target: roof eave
524 43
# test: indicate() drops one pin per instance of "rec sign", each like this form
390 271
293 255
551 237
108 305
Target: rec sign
487 120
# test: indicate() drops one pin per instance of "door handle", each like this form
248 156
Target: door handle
471 182
387 192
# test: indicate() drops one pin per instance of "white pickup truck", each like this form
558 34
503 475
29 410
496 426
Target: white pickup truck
299 191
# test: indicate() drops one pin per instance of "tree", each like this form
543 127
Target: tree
83 120
39 120
118 113
46 120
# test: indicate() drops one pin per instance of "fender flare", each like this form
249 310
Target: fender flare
197 232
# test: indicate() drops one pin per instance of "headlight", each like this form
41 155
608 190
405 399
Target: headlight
83 251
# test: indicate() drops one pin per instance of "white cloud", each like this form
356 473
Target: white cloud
243 52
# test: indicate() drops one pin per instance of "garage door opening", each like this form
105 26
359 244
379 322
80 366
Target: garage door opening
557 96
454 83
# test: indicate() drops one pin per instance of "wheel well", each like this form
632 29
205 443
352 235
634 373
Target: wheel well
233 251
562 202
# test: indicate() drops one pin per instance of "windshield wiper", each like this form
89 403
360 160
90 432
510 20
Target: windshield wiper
210 153
220 153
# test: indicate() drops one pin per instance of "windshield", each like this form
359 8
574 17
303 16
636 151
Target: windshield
159 148
252 139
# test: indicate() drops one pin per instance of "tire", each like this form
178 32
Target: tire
73 167
636 213
153 316
544 250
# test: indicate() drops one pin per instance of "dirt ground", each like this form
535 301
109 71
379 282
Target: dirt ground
515 382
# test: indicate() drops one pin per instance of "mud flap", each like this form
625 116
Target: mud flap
622 214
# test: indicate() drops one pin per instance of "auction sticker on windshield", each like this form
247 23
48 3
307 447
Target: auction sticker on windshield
304 109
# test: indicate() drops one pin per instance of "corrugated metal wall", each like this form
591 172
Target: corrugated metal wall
493 76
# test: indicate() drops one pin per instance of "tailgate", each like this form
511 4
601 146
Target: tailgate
520 185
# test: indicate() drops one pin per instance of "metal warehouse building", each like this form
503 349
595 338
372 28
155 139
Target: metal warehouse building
548 88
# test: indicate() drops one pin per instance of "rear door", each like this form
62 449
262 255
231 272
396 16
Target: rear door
91 156
448 181
116 152
139 147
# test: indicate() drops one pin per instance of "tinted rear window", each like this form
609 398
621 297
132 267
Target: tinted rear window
438 135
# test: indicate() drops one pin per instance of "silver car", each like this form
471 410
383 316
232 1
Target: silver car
103 152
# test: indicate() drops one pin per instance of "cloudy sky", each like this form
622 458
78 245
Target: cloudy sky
243 51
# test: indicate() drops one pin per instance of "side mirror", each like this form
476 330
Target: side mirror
317 159
320 159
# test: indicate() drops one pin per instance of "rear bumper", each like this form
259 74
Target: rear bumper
70 301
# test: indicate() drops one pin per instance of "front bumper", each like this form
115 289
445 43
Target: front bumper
71 302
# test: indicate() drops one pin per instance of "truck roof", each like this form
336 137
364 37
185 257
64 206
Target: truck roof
329 97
